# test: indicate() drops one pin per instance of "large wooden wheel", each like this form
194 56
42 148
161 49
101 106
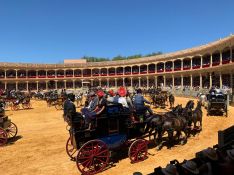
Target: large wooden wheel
26 105
92 157
3 137
70 149
12 130
15 107
138 150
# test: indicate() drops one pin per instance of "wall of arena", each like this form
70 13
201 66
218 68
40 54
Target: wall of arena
184 72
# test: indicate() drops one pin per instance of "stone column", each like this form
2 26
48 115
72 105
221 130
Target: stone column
173 82
191 81
36 73
73 82
115 82
147 82
131 81
5 74
139 79
65 84
164 81
173 65
201 81
211 60
5 85
73 73
82 83
191 63
107 82
220 80
182 64
210 80
156 81
182 81
91 82
123 82
16 73
37 85
26 73
201 61
56 84
46 73
100 82
27 85
16 85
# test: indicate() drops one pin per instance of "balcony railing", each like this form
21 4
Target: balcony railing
41 76
22 76
95 74
119 73
78 75
226 61
151 71
168 69
135 73
216 63
104 74
69 75
51 76
60 76
143 72
111 73
196 66
177 68
186 68
31 76
160 70
127 73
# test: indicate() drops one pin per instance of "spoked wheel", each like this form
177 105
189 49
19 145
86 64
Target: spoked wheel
12 130
14 107
70 149
92 157
3 137
59 106
138 150
26 105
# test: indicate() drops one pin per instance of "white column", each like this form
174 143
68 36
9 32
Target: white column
16 85
191 81
107 82
201 81
182 64
27 85
91 82
16 73
210 80
139 79
164 80
5 85
211 60
173 82
182 81
73 82
131 81
100 82
82 82
221 58
5 74
156 81
173 65
115 82
123 82
201 61
220 80
37 85
65 84
46 73
36 73
56 84
147 82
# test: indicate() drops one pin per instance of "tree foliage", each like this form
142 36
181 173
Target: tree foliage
119 57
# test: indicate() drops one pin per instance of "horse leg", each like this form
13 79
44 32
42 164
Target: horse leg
170 139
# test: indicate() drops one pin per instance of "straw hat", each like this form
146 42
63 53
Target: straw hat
170 170
210 153
190 166
230 153
122 91
100 93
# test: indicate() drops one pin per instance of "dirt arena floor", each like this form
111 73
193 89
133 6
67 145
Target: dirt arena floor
40 145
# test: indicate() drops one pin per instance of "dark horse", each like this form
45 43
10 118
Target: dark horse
171 100
197 116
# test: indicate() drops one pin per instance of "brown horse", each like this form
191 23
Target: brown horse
197 116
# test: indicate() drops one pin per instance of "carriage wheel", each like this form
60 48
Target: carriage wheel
138 150
3 137
92 157
15 107
70 148
12 130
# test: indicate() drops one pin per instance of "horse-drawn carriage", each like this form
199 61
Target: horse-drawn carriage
8 129
217 102
159 98
112 131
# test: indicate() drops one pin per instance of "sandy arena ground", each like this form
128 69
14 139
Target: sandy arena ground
40 149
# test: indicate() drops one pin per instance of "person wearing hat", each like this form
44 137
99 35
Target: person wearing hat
189 168
139 102
112 97
100 108
122 99
170 170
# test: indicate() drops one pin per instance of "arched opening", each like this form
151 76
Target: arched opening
41 86
21 74
160 67
160 81
32 74
111 71
2 74
196 62
11 86
51 84
135 70
11 74
151 82
103 83
135 82
206 61
119 82
86 72
127 70
96 83
51 73
60 73
226 81
77 73
168 82
95 72
103 71
2 85
143 69
60 84
186 64
216 58
78 84
226 55
168 66
186 81
143 82
127 82
112 83
119 70
151 68
69 84
41 74
69 73
177 82
32 86
22 86
177 65
196 82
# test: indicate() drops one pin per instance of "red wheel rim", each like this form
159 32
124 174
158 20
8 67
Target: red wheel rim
3 137
92 157
12 130
138 150
70 148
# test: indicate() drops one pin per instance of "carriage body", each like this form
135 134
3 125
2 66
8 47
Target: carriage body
217 102
113 131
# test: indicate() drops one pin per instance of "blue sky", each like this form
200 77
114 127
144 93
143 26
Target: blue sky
48 31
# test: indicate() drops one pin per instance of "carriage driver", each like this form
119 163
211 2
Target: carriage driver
139 102
68 107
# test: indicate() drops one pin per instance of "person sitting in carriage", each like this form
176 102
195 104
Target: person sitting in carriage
139 103
112 97
100 108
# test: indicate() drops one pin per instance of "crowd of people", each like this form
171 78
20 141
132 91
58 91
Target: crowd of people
98 100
